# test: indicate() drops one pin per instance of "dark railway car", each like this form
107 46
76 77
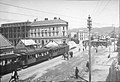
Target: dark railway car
21 57
31 57
58 50
8 63
35 56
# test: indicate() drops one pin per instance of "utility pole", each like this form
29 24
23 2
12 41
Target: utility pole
89 23
114 35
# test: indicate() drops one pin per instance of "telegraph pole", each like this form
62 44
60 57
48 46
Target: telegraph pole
114 36
89 23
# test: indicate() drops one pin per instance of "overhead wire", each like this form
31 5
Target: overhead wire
18 13
104 7
8 20
35 10
95 9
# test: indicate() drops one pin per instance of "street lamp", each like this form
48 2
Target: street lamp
89 23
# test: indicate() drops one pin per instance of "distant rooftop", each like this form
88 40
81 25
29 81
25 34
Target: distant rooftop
45 22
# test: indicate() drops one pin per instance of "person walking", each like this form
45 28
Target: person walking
76 73
14 75
87 65
79 49
83 49
71 54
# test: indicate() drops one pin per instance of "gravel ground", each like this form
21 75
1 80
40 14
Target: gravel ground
65 70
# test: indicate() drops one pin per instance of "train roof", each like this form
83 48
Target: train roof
9 56
32 51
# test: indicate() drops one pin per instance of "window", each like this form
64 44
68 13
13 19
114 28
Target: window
39 41
42 33
46 32
39 34
31 34
53 33
53 28
63 33
63 28
35 34
49 33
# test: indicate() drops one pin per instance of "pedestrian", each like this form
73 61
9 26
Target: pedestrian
67 55
109 56
76 73
87 65
14 75
83 49
71 54
79 49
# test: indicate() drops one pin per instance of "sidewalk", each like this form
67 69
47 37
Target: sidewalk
100 68
114 72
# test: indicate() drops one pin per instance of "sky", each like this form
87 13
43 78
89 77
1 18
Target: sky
104 13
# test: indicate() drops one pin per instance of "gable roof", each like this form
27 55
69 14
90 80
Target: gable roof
28 42
72 44
51 44
4 43
49 22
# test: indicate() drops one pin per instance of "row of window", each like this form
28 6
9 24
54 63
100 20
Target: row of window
37 55
44 30
44 34
8 61
19 35
11 30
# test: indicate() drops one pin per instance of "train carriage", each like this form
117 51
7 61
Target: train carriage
9 63
27 57
31 57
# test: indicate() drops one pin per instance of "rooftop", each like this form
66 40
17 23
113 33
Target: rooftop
4 43
49 22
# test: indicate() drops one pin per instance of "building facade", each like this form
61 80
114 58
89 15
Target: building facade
40 31
44 31
82 35
15 31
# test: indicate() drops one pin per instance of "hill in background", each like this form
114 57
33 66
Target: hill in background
102 30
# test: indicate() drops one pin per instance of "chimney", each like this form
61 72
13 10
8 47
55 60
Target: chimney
35 19
55 18
46 18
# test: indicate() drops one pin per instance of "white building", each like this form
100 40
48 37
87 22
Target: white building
82 35
44 31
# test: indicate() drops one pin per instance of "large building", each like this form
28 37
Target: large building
40 31
44 31
15 31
